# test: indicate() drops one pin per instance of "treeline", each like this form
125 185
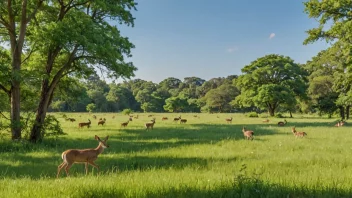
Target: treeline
273 83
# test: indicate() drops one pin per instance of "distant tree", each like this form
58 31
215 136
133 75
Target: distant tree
91 107
175 104
221 97
271 74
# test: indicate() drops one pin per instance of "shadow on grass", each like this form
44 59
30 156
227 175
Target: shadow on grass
22 158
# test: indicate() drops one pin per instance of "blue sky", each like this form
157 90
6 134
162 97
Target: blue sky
207 38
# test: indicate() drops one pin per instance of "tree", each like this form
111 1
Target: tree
91 107
73 37
175 104
271 74
221 97
337 33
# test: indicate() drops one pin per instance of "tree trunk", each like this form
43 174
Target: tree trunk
290 114
271 111
342 112
348 112
36 135
15 96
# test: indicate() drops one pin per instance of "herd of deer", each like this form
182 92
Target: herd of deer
88 156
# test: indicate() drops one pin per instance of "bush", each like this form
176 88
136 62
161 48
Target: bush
127 111
279 115
252 115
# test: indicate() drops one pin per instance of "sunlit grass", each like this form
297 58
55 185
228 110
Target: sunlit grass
202 158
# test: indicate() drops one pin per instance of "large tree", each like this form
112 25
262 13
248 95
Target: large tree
335 27
268 75
67 37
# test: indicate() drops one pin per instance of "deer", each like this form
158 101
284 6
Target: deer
267 120
113 117
136 117
87 156
82 124
71 119
124 124
164 118
282 123
229 120
340 123
247 134
101 122
177 119
150 115
94 116
183 121
149 125
298 134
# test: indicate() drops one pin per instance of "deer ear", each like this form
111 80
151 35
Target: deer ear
107 137
97 138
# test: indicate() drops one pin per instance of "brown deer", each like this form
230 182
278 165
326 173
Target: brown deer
87 156
164 118
113 117
229 120
149 125
150 115
177 119
267 120
183 121
340 123
124 124
247 134
71 119
82 124
298 134
136 117
282 123
101 122
94 116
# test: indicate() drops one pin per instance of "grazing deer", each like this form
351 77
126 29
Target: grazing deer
229 120
183 121
150 115
164 118
267 120
195 116
298 134
124 124
87 156
71 119
149 125
340 123
282 123
177 119
94 116
101 122
247 134
136 117
82 124
130 119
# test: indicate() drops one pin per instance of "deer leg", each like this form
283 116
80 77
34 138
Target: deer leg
67 168
59 168
86 164
94 165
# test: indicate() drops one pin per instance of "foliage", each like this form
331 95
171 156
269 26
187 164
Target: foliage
91 107
271 74
252 115
127 111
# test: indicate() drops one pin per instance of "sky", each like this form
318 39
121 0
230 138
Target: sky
207 38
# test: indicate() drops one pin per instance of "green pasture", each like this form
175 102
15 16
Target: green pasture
206 157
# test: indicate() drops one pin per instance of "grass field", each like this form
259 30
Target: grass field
203 158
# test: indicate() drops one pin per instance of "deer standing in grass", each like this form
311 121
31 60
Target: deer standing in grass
298 134
282 123
229 120
183 121
247 134
267 120
150 125
82 124
177 119
87 156
101 122
124 124
340 123
164 118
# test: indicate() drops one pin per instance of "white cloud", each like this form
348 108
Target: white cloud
272 35
232 49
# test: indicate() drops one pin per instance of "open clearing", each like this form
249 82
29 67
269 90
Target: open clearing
206 157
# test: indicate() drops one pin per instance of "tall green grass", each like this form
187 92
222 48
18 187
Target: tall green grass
203 158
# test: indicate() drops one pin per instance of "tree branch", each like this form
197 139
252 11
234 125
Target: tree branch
30 53
34 12
4 116
2 87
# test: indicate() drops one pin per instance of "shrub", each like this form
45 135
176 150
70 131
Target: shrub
252 115
279 115
127 111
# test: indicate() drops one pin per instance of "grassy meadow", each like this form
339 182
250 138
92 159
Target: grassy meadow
206 157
